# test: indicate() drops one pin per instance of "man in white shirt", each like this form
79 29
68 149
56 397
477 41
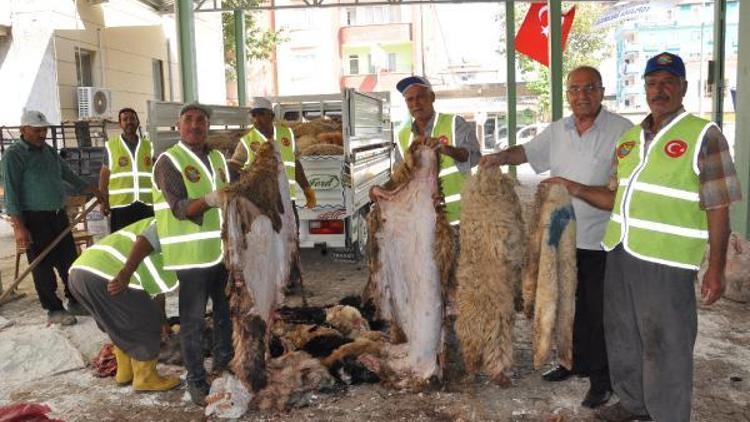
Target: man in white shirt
578 151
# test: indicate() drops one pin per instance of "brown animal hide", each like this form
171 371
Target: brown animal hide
736 271
258 258
550 276
292 378
411 261
489 269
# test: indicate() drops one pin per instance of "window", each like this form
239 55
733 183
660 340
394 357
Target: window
351 16
298 19
391 62
84 74
157 67
354 64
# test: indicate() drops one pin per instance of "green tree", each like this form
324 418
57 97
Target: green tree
586 45
259 43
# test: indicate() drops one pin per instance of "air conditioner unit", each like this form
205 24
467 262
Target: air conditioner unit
94 102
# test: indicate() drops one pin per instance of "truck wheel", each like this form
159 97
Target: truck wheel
363 233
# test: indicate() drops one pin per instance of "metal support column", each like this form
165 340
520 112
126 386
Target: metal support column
186 50
555 57
240 60
741 209
720 35
510 81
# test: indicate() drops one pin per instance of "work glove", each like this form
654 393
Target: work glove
310 197
216 199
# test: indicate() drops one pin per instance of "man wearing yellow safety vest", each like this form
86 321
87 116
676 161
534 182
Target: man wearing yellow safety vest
459 147
188 178
264 130
125 177
115 280
670 195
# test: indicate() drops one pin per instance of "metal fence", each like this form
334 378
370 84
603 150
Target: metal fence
80 144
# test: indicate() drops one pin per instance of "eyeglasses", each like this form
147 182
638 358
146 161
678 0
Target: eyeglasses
588 89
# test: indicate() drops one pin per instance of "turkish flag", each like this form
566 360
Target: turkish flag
533 36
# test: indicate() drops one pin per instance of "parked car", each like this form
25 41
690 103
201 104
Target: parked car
523 135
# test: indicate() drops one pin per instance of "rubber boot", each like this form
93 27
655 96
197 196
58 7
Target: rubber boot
145 377
124 373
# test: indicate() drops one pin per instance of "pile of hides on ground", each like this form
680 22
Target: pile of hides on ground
493 243
736 273
26 412
411 268
312 349
322 136
550 275
259 253
104 364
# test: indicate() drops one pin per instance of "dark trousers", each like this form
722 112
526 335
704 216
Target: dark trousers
44 226
651 322
125 216
196 286
589 349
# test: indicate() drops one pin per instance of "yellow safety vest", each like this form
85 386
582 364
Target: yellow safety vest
656 213
107 257
451 179
283 141
185 244
129 176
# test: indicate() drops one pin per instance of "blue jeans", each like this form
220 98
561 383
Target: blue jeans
196 286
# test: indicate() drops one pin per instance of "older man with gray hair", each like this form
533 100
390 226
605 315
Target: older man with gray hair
34 179
457 139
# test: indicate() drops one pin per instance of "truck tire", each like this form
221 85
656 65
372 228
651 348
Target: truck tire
363 233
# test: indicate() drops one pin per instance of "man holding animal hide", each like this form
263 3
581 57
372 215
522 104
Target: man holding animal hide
671 194
459 147
265 130
189 178
577 150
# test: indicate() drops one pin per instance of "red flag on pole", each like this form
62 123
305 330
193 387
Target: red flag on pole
532 37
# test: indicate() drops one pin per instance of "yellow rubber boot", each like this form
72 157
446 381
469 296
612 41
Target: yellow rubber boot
124 373
145 377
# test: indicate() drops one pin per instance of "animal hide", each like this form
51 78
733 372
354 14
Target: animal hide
550 275
736 276
411 263
258 258
292 380
493 243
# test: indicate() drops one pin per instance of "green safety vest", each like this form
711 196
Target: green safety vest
656 213
129 177
284 141
107 257
451 179
185 244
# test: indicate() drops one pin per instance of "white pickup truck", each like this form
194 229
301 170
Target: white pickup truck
342 182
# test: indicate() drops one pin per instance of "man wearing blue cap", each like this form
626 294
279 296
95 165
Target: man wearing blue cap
458 140
670 195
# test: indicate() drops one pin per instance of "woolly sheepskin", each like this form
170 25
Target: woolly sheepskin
550 275
490 263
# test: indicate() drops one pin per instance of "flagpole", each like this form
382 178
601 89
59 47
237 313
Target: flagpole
555 53
510 80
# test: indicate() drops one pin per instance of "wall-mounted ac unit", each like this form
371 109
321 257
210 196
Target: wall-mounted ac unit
94 103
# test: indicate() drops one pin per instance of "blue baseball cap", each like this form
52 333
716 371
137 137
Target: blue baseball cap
667 62
410 81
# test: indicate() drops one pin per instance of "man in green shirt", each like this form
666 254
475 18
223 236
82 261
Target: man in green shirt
34 179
